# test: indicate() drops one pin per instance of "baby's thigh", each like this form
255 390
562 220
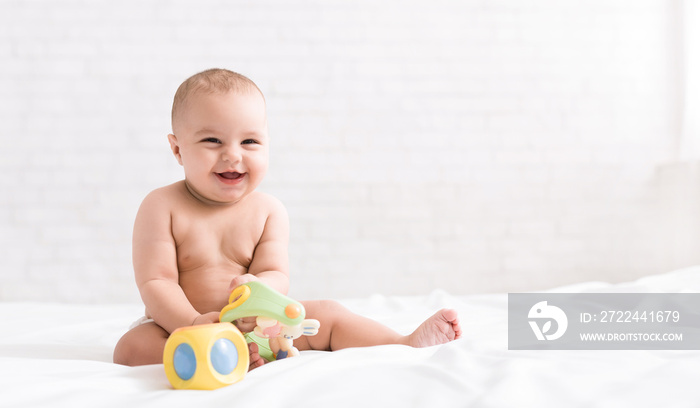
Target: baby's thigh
141 345
327 312
323 310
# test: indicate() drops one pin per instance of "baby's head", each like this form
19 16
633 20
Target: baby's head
215 80
220 135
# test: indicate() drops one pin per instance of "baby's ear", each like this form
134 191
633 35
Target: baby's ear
175 147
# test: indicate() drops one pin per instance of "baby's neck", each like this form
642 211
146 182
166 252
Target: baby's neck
199 197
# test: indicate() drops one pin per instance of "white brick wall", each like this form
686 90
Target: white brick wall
468 145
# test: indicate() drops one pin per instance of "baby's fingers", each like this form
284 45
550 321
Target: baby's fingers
239 280
246 324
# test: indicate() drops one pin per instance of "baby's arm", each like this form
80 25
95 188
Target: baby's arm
155 265
270 262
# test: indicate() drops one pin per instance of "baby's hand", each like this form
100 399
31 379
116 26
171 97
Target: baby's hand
206 318
246 324
239 280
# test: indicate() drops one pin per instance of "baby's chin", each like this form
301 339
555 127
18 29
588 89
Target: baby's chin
214 199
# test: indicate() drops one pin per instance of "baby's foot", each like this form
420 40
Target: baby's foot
255 359
442 327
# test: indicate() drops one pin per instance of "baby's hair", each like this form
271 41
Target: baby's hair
210 81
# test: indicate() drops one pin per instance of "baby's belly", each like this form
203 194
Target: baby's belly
207 288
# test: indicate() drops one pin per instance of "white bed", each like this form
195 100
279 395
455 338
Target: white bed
60 355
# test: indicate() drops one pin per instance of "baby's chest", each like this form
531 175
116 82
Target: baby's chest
217 241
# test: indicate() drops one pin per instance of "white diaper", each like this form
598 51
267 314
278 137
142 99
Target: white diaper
141 320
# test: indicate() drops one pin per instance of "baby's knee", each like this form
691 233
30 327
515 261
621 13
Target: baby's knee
323 310
123 351
140 347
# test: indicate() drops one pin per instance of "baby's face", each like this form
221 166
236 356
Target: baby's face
221 141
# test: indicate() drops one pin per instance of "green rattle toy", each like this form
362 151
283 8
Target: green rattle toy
212 356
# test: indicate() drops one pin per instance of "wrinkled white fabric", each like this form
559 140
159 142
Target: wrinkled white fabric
59 355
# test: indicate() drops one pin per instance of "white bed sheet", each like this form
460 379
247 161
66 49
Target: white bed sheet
55 355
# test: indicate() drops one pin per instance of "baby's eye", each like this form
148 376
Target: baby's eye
212 140
249 141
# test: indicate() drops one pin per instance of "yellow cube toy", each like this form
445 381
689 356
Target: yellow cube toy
205 357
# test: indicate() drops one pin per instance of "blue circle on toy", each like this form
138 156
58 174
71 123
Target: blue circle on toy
184 361
224 356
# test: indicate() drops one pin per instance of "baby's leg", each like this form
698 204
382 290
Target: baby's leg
340 328
144 344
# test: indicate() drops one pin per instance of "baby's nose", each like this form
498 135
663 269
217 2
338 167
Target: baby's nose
231 155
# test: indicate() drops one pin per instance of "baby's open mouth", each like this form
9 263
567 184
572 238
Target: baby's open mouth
230 175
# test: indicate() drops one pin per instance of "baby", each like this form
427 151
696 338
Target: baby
196 240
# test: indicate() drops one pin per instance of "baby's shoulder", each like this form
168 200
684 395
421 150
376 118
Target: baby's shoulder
167 196
267 202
